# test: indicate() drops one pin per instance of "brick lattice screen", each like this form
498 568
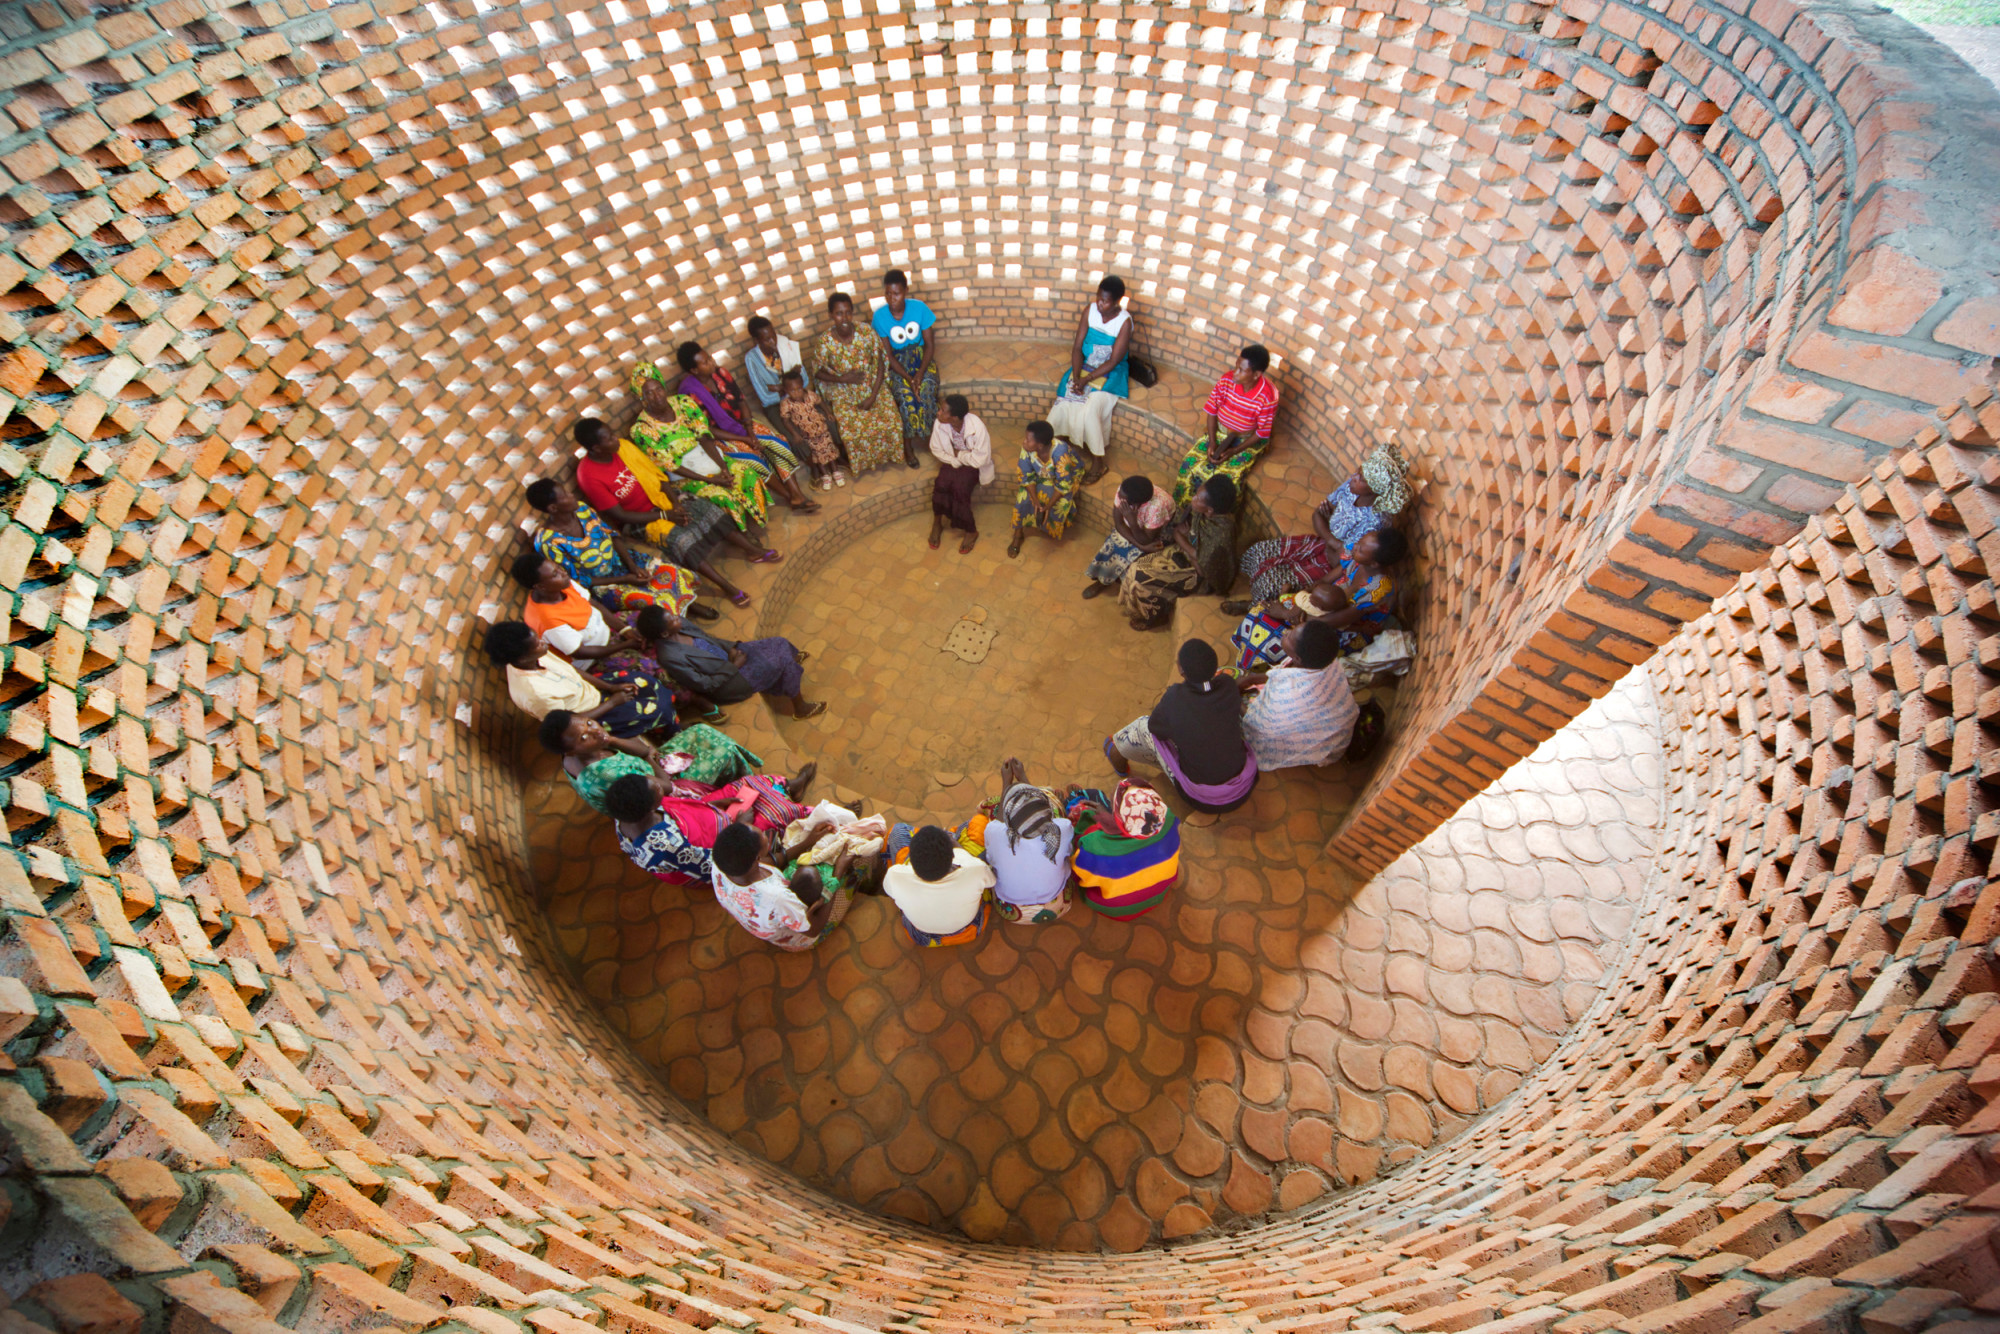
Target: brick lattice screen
1667 303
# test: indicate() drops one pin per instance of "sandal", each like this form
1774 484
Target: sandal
1094 591
840 479
814 711
740 598
701 611
1235 608
770 557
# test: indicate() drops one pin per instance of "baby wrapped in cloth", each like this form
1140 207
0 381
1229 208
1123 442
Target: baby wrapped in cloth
851 833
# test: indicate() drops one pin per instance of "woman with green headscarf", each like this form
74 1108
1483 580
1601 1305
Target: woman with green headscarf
673 430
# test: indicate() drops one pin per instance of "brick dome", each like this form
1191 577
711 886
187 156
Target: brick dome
1687 313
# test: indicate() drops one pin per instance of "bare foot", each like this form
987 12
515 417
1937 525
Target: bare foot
937 533
797 786
971 540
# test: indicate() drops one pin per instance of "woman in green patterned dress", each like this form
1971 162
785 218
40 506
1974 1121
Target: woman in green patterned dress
593 759
674 430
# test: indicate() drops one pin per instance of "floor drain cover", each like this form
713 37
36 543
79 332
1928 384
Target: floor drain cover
970 638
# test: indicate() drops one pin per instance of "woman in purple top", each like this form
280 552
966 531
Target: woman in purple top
713 387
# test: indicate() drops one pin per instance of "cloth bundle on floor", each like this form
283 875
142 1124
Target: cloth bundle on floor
864 838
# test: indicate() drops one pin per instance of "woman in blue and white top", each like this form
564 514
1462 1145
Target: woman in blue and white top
1099 375
906 327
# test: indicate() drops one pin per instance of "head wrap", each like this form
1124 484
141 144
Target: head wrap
1140 811
1387 474
649 370
1030 812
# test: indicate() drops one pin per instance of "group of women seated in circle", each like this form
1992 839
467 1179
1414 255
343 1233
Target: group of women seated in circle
630 693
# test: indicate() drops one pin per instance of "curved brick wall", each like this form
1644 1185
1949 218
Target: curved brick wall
293 296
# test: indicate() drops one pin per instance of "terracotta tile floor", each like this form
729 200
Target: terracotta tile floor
1270 1035
913 724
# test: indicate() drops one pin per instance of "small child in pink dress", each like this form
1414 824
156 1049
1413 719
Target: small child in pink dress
804 412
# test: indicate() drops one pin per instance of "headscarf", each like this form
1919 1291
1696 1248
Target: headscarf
1029 812
1141 812
649 370
1387 474
1136 810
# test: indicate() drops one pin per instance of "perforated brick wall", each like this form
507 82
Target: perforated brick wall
295 295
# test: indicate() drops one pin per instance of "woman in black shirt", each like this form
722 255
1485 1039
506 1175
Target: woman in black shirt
1195 733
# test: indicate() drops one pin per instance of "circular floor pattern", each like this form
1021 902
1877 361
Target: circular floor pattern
1273 1033
916 725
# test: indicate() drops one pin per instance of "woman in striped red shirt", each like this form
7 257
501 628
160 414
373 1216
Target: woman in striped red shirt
1241 410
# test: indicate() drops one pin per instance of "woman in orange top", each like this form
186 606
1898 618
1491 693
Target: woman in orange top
568 622
562 613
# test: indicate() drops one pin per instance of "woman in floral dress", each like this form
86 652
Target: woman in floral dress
850 368
673 429
616 576
1051 472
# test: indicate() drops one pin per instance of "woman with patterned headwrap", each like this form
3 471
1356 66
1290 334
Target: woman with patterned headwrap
1028 843
1128 848
1363 504
674 430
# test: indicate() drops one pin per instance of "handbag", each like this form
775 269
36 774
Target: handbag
1143 372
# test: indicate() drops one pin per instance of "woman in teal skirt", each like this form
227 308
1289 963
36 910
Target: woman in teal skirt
907 328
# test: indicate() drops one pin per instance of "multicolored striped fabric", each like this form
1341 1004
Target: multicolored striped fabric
1123 876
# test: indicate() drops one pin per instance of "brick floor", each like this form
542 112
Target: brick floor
912 724
1272 1034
